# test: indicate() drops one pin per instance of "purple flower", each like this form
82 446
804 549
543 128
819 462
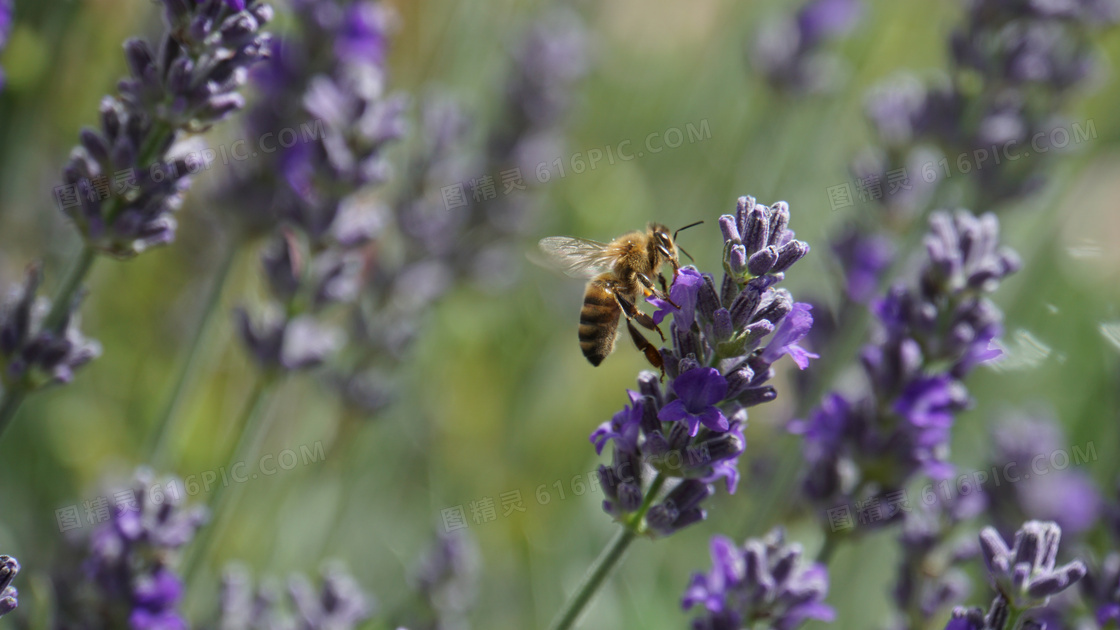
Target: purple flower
31 354
9 596
727 468
158 591
236 5
364 34
820 19
762 580
683 293
792 329
1023 445
929 403
728 568
337 603
1027 571
622 428
160 102
718 365
142 619
132 555
966 619
825 428
930 336
1108 613
863 258
698 391
6 13
788 51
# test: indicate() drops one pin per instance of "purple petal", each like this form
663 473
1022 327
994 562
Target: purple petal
792 329
672 412
700 388
684 292
727 561
600 437
726 469
714 419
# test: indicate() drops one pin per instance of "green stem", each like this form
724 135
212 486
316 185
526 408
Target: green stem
654 488
594 578
9 405
610 556
64 297
254 423
160 441
828 549
1014 617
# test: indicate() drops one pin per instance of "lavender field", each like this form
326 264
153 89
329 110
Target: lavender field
341 314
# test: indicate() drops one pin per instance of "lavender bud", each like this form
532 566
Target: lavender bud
762 261
707 300
737 260
776 305
790 253
756 235
729 229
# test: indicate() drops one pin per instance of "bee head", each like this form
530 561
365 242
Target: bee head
662 243
667 245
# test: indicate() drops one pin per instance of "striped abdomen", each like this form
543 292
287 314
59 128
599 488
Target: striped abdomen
598 320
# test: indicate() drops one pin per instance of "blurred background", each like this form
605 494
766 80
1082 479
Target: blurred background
495 397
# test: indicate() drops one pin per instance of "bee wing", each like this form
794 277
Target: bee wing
577 257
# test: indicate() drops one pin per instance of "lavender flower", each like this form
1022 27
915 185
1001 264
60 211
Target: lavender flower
764 580
445 579
932 334
863 259
1026 574
31 354
9 596
1023 445
788 53
123 182
1014 68
7 11
1025 577
130 579
337 603
469 236
314 260
724 346
1101 587
930 576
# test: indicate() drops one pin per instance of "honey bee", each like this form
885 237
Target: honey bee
619 272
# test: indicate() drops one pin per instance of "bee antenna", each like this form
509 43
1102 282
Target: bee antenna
685 228
686 253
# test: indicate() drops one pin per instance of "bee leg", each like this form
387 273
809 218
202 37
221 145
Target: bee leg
664 285
649 288
632 313
653 355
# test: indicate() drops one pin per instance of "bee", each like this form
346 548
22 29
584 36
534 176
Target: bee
619 271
